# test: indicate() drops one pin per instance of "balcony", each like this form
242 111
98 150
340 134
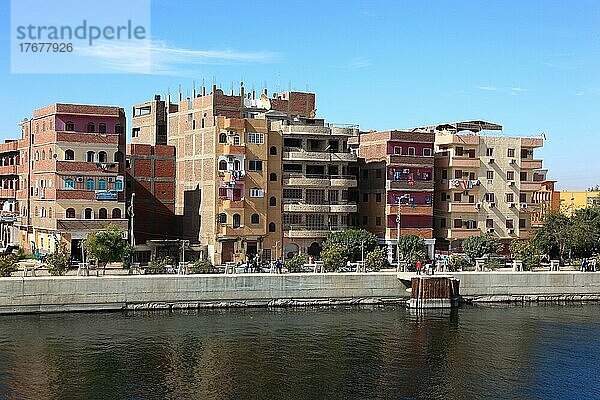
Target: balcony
421 209
455 207
303 231
396 159
458 140
231 232
73 224
456 233
232 204
82 167
531 164
301 155
392 233
8 170
230 149
290 179
458 184
320 208
532 142
464 162
8 193
530 186
410 185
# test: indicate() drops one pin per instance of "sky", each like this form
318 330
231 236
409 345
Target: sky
531 66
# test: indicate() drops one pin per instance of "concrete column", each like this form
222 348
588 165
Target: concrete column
390 253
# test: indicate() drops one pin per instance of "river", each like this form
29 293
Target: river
475 352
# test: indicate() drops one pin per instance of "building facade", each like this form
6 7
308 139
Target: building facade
71 175
573 201
396 184
547 199
9 185
484 183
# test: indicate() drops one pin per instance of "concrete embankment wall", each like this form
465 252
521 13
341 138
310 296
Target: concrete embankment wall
49 294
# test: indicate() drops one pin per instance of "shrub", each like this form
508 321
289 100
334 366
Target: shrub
377 259
334 257
58 262
159 266
296 263
202 267
8 264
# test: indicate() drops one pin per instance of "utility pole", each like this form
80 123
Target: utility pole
398 220
362 254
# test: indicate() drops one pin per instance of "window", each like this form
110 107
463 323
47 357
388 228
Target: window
398 150
254 165
222 137
69 183
458 174
272 201
411 151
50 153
101 184
256 192
509 224
102 157
365 197
378 221
510 175
101 128
256 138
118 185
523 198
292 193
118 128
489 151
102 214
458 223
489 223
510 197
236 220
272 227
70 213
442 222
489 197
222 165
90 156
135 132
116 213
510 153
43 154
523 176
273 151
236 140
118 157
522 223
254 219
378 173
457 197
427 152
88 213
273 177
91 128
378 197
69 126
222 218
444 174
37 156
525 153
490 174
89 184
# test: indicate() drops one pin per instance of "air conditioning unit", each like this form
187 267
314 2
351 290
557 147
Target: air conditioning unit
513 161
490 181
523 205
491 230
511 183
511 231
491 161
111 179
492 205
466 192
478 206
512 205
79 179
406 171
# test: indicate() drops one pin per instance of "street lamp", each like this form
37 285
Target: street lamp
399 200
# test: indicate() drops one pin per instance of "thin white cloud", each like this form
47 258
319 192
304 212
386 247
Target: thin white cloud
158 57
359 62
488 88
581 93
516 89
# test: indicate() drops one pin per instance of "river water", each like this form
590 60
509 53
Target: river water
475 352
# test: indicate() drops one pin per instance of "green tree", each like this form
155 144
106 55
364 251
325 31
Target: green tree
351 240
377 259
334 257
58 262
556 235
526 251
159 266
106 245
8 264
479 246
202 267
412 248
296 263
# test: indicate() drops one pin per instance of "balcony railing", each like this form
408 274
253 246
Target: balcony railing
299 179
410 185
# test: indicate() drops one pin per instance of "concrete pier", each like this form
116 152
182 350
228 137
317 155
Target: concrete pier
434 292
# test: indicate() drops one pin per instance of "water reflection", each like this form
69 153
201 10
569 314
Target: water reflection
333 353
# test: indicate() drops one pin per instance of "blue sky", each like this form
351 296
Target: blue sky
532 66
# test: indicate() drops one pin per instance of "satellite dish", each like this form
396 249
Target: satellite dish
265 101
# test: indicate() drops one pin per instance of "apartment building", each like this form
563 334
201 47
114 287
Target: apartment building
547 199
318 180
484 183
396 183
9 184
71 175
572 201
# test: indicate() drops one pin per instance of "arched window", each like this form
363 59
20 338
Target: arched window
222 137
89 184
236 220
69 126
237 165
272 201
37 127
50 153
118 185
118 157
91 128
254 219
43 126
69 183
101 128
273 177
222 165
42 212
118 128
50 212
70 213
102 157
43 154
116 213
88 213
69 155
272 227
273 151
101 184
222 218
102 213
37 155
36 212
89 156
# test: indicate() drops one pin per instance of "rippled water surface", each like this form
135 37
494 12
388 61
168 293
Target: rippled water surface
508 352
